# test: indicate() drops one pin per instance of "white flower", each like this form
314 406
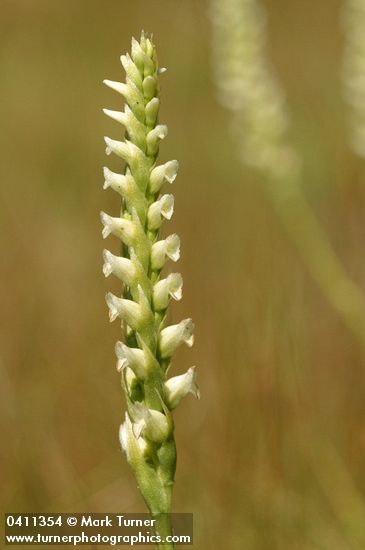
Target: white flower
119 87
166 288
169 247
136 129
163 208
159 174
123 268
120 227
134 358
171 337
127 310
127 187
152 424
177 387
120 183
124 149
133 156
128 270
131 94
134 447
154 137
118 116
149 87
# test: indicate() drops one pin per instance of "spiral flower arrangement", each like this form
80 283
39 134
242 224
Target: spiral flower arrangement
147 434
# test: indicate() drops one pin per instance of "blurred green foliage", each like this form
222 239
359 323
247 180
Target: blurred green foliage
272 458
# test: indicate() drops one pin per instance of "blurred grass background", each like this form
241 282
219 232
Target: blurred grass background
273 456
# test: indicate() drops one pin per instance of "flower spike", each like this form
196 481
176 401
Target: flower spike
147 433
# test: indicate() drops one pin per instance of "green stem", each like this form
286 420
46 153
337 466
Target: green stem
163 528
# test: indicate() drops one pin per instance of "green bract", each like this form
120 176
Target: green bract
147 434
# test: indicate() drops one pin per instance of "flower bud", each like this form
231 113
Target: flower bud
159 174
177 387
149 87
131 70
166 288
169 247
154 137
145 63
150 49
171 337
164 207
137 55
149 66
151 111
